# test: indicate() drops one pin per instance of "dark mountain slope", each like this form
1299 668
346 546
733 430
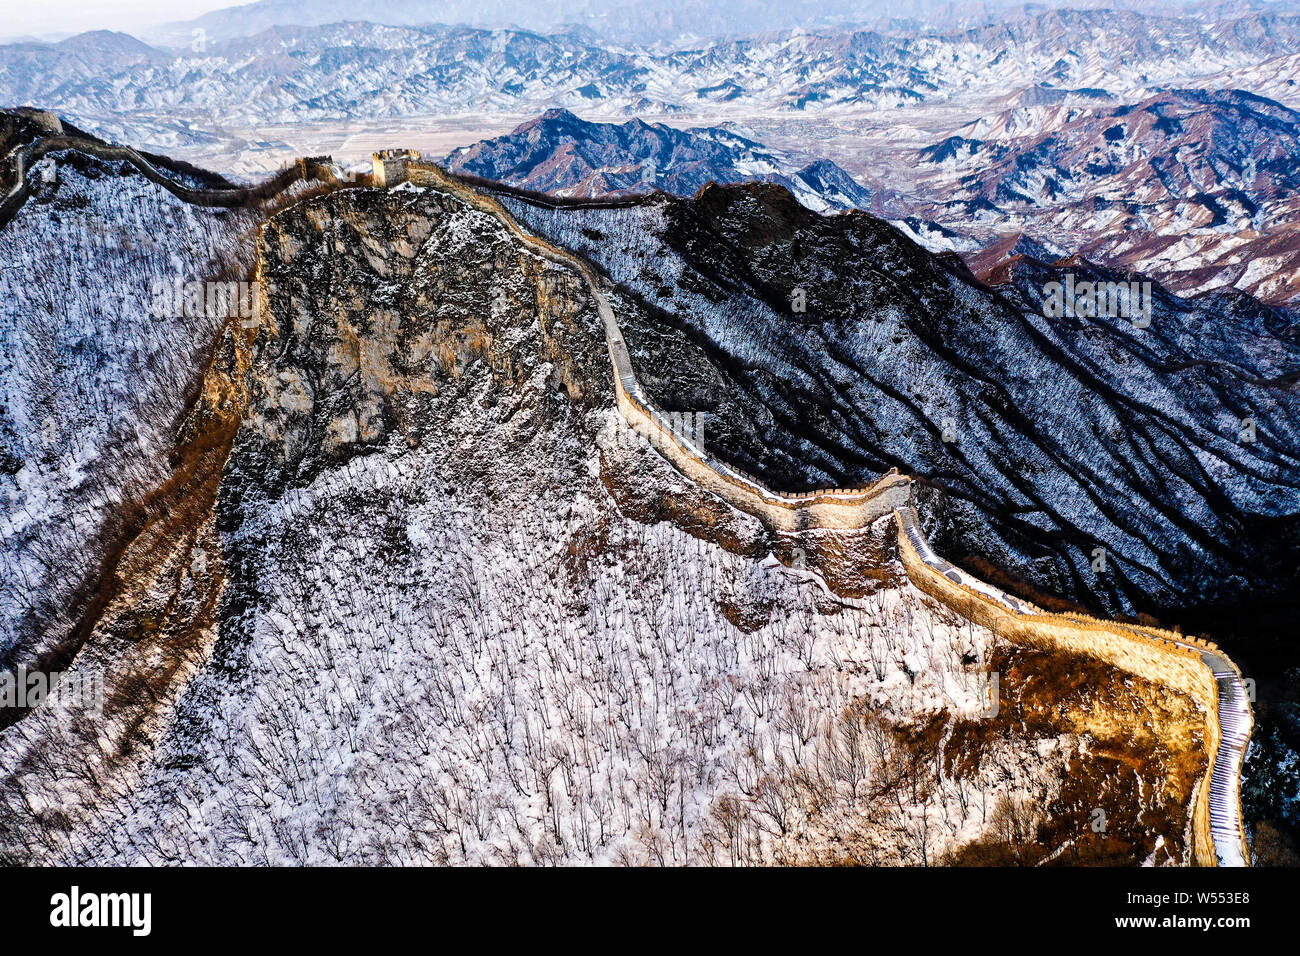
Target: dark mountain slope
1042 439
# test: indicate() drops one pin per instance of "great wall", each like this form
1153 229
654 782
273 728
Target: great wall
25 159
1186 664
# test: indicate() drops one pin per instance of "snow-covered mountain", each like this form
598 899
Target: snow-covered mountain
567 156
1198 188
92 382
288 74
397 593
1030 428
373 574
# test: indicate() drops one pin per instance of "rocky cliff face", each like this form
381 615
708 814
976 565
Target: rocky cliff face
406 597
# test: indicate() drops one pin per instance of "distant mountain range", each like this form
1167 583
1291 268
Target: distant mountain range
352 70
1135 140
1196 188
562 154
660 21
1200 188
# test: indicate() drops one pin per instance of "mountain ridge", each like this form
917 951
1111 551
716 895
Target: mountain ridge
561 154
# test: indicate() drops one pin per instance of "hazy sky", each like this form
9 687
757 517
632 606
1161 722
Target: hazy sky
40 17
45 18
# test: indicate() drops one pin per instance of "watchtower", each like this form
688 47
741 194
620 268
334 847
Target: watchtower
390 165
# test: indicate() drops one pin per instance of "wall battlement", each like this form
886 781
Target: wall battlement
308 168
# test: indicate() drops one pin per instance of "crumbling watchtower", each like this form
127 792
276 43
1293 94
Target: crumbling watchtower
390 165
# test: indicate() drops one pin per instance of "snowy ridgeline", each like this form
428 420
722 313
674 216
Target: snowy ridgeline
342 70
91 383
1082 411
424 679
